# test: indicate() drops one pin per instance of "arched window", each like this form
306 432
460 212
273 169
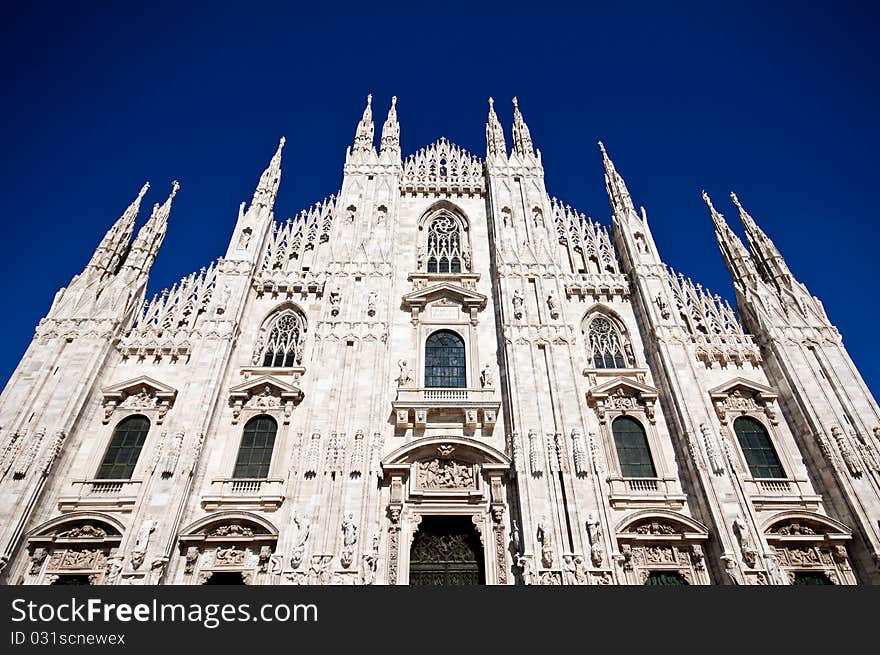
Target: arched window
605 343
444 360
757 448
445 250
284 344
124 449
255 451
633 453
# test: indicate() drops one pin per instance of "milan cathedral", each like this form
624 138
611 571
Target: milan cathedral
440 375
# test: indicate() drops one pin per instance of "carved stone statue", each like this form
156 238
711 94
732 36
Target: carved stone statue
517 304
372 299
546 541
553 305
349 530
335 300
406 377
594 533
486 377
300 537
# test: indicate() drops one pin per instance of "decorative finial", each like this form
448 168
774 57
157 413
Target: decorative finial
602 148
515 103
735 200
175 185
393 101
281 142
369 98
144 189
491 103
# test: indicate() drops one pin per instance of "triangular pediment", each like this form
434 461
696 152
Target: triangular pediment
750 388
631 387
258 385
138 385
447 291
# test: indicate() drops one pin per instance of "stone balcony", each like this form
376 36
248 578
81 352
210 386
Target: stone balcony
111 495
639 492
781 493
244 493
419 407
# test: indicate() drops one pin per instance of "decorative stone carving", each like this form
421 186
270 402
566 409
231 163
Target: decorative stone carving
546 541
37 558
517 304
553 305
406 378
192 558
300 536
84 531
370 561
746 544
846 453
114 568
536 459
486 377
440 473
372 301
349 538
581 461
169 455
594 534
263 558
231 530
715 459
227 556
335 301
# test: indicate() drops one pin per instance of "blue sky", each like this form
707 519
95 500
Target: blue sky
778 103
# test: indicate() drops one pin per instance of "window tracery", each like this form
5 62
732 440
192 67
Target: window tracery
607 346
282 344
445 251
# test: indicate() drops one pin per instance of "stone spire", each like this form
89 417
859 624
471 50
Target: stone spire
363 138
267 187
149 238
113 247
390 143
737 259
522 139
618 194
768 258
495 134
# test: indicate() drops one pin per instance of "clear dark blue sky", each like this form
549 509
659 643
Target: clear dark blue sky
778 103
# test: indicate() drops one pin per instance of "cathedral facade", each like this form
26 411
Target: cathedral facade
439 375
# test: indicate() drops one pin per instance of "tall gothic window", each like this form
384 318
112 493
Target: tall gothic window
757 448
124 449
255 451
633 453
284 344
444 245
606 344
445 360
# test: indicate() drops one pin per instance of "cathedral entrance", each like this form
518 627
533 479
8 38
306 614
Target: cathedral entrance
446 551
225 578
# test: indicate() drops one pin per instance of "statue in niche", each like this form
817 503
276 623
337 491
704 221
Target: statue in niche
223 299
349 530
244 239
406 377
553 305
350 213
381 213
517 303
486 377
372 299
335 300
300 536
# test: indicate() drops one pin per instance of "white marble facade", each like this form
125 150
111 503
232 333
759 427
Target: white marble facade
319 327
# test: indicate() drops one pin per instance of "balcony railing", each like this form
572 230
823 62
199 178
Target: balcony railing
263 493
415 396
631 492
100 494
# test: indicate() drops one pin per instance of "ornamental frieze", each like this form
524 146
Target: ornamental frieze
445 474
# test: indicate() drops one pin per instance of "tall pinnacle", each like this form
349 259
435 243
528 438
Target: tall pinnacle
267 187
770 260
494 133
363 138
112 248
522 139
736 257
391 131
618 194
146 245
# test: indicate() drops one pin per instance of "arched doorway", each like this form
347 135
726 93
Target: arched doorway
225 578
446 551
810 578
665 578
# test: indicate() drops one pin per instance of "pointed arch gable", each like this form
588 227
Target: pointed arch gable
281 337
285 305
